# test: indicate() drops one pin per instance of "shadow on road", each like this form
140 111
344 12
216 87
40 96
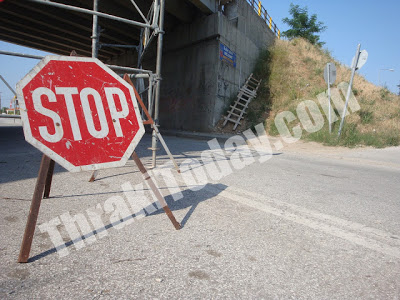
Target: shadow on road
19 160
190 199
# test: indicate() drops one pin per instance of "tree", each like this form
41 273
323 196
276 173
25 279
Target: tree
303 26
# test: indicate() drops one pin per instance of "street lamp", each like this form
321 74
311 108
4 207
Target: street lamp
379 74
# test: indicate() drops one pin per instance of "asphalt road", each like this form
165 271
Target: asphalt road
310 222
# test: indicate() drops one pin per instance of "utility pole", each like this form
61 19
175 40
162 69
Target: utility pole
399 88
379 74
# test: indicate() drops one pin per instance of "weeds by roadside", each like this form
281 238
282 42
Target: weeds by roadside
292 71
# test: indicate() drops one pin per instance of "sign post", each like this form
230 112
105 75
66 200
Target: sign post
330 78
358 61
83 116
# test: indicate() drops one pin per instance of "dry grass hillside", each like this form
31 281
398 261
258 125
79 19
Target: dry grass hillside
292 71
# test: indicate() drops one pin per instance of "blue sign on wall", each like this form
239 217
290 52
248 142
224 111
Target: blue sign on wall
227 55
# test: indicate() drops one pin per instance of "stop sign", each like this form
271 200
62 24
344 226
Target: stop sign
79 113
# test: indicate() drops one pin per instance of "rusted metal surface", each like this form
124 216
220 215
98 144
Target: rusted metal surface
34 210
49 179
156 191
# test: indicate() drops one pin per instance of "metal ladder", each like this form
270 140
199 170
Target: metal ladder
247 92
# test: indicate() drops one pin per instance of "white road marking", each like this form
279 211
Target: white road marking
359 234
319 221
349 225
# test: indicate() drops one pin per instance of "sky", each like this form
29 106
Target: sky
373 24
13 69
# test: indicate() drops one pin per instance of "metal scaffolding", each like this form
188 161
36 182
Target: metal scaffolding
151 25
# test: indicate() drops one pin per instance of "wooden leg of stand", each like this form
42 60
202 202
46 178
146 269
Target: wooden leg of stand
49 179
34 210
155 190
93 177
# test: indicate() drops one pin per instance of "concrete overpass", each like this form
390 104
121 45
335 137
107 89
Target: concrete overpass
197 83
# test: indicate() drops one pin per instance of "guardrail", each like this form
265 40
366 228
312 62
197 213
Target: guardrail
10 116
262 12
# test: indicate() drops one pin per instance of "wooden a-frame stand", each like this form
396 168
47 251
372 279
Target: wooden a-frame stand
42 190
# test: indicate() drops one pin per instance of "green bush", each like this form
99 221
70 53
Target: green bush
384 93
366 116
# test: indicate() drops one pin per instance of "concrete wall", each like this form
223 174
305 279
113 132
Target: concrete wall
197 86
189 75
246 34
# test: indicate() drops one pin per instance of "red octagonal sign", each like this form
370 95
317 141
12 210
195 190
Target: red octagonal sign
79 113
